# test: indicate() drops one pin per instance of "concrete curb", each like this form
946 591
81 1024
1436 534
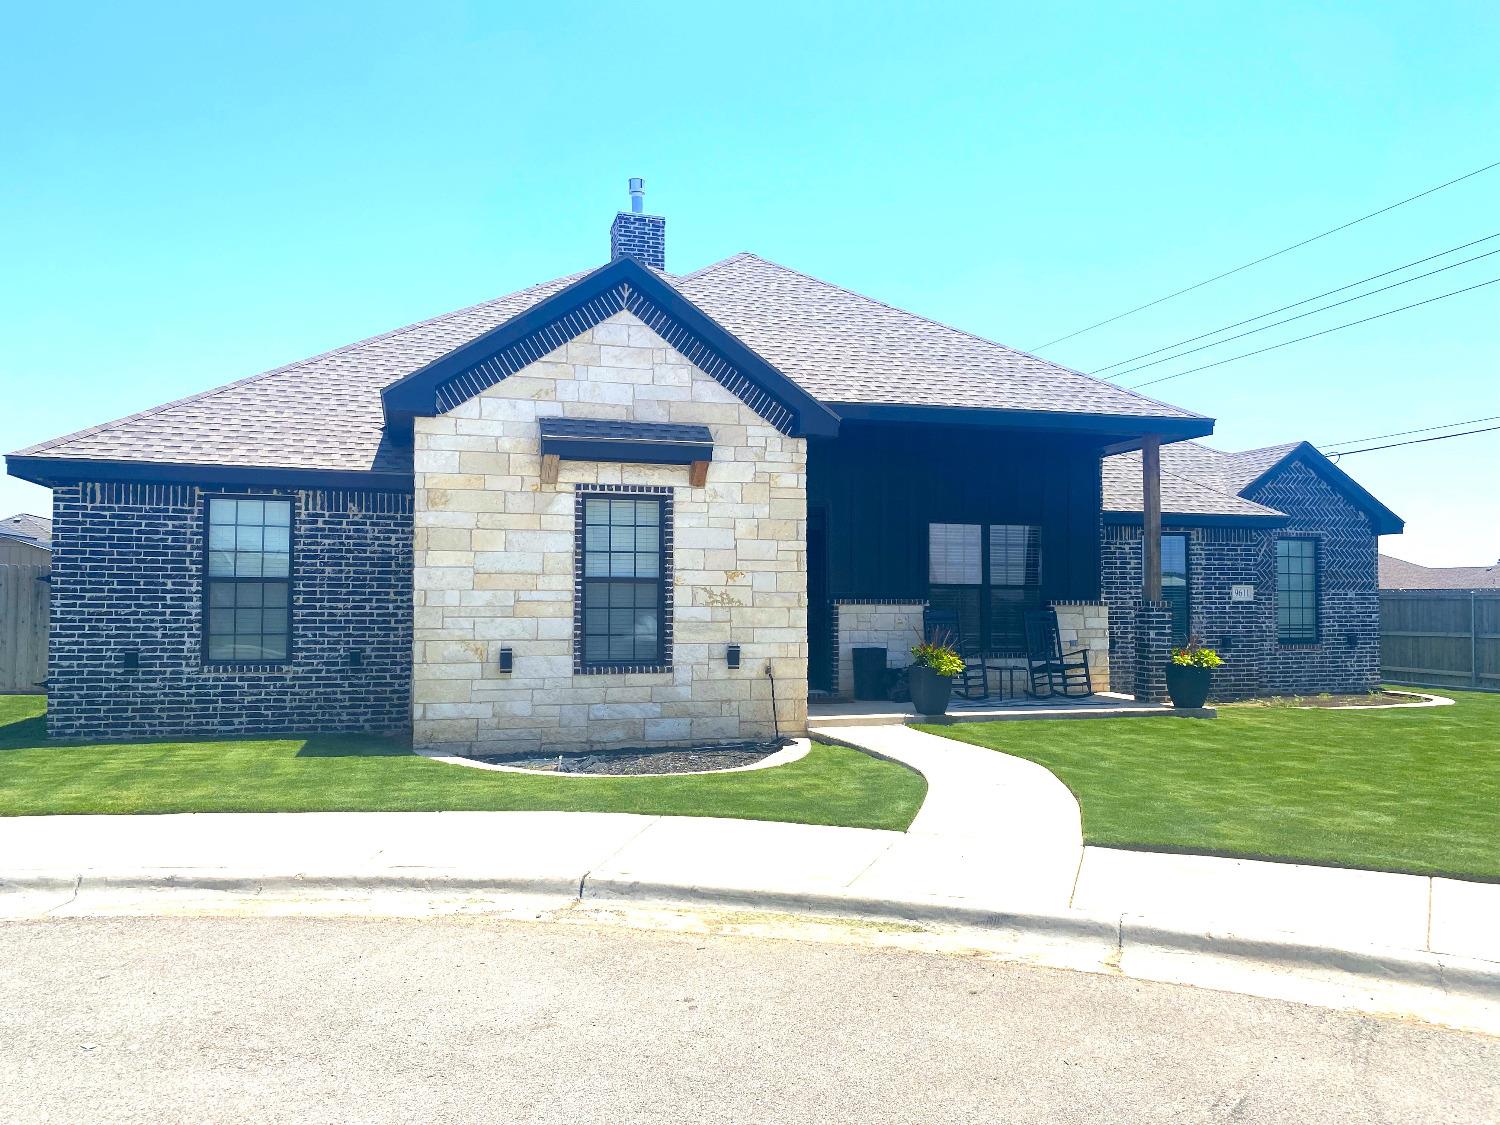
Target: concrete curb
1113 938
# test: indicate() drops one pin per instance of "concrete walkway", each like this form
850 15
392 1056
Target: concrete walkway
997 844
993 830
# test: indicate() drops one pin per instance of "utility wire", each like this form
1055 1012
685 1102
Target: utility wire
1311 335
1414 441
1404 433
1294 304
1268 257
1300 316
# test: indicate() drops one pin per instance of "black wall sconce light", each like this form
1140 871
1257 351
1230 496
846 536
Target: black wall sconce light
1351 640
356 658
130 660
507 661
732 656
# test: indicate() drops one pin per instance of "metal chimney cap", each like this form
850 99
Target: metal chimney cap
637 194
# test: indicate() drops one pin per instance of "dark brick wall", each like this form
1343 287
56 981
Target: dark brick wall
127 575
1347 657
1153 645
642 237
1218 559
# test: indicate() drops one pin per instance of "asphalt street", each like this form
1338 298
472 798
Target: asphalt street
468 1019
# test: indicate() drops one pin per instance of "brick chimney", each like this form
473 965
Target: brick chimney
637 235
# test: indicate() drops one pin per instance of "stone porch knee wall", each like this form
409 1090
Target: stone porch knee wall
1086 625
127 576
494 561
873 622
1347 655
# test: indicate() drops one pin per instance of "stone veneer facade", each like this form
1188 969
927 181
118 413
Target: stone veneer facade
127 578
495 544
877 623
1085 625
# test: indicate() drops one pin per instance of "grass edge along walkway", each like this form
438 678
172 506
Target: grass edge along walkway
1414 791
832 785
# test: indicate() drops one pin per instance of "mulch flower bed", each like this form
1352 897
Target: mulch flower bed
637 760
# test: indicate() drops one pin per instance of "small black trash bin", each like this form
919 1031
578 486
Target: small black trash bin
869 673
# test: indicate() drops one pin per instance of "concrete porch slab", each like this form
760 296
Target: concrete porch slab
1100 705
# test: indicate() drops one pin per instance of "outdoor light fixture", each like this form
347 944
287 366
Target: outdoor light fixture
732 655
356 658
1351 640
507 661
130 660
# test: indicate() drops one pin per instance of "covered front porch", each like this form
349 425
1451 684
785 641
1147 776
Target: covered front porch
965 526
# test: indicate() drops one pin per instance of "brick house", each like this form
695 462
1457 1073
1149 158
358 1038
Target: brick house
628 507
1268 555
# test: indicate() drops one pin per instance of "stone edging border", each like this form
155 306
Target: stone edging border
784 757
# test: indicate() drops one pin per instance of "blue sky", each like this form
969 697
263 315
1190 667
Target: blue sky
189 196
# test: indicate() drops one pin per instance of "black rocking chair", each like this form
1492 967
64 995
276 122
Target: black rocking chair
1047 665
942 625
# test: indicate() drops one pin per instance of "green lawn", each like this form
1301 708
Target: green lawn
1414 790
350 773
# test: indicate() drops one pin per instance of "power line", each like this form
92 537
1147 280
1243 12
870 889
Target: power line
1414 441
1312 335
1422 430
1294 304
1268 257
1309 312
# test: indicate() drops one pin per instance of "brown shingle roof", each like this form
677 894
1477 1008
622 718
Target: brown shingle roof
318 413
325 412
1194 482
844 347
24 525
1398 574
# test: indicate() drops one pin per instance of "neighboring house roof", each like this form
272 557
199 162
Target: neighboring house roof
27 527
1210 484
1398 574
325 413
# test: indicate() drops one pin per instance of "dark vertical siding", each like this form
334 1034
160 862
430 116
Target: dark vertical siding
884 484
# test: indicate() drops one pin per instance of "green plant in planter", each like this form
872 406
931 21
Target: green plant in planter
941 657
1190 672
934 664
1194 655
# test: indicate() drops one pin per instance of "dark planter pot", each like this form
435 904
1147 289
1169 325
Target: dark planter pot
1187 686
930 692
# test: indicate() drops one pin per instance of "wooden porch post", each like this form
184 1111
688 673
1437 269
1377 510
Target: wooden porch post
1151 518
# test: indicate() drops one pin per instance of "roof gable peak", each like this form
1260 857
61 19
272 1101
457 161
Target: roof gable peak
621 286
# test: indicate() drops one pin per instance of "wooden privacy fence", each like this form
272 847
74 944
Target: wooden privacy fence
23 626
1443 638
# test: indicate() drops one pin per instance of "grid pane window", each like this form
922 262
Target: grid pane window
623 569
1297 591
1174 584
247 595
